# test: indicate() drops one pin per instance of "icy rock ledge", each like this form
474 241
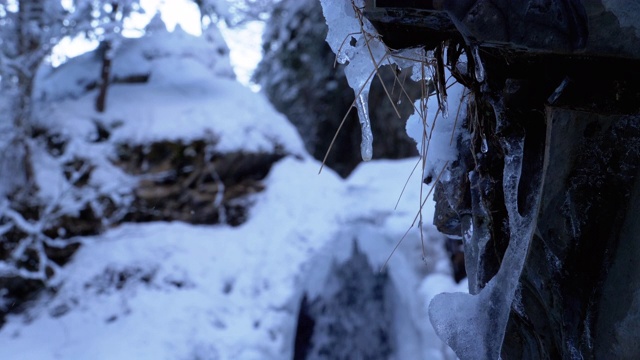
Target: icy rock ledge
474 325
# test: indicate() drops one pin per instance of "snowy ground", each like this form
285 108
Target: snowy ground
178 291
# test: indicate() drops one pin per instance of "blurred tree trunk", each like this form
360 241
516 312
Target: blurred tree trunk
107 55
29 55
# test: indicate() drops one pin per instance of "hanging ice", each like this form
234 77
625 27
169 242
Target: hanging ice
474 325
479 70
484 147
360 72
366 146
353 38
360 81
444 107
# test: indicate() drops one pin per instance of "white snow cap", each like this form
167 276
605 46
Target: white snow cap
208 57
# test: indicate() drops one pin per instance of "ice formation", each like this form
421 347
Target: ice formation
354 41
485 146
474 325
366 147
433 133
479 68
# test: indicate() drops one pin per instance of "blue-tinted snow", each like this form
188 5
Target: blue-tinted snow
178 291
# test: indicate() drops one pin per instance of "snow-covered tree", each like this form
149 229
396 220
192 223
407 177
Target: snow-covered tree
30 29
32 219
110 16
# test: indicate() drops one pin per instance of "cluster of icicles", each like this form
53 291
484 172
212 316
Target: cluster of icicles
355 41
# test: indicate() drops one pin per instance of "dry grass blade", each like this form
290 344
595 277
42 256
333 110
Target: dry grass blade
335 136
455 123
423 81
335 60
380 77
423 202
406 183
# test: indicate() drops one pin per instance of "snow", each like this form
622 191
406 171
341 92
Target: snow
354 41
138 57
179 291
221 280
185 109
190 92
173 291
435 135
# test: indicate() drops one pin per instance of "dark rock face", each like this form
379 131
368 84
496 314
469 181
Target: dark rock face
563 76
593 27
568 281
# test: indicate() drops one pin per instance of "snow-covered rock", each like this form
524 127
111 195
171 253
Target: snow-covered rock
171 290
176 291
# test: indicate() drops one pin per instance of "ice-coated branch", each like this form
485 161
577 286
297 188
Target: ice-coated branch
21 223
7 270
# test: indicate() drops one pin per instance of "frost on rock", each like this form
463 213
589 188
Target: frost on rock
354 41
474 325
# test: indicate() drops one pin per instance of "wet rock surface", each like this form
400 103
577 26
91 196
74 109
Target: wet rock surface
568 86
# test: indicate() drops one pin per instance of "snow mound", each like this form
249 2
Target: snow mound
138 60
175 291
222 110
167 86
178 291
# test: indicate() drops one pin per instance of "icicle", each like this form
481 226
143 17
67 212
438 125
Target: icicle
558 91
444 107
479 70
474 326
484 147
366 147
